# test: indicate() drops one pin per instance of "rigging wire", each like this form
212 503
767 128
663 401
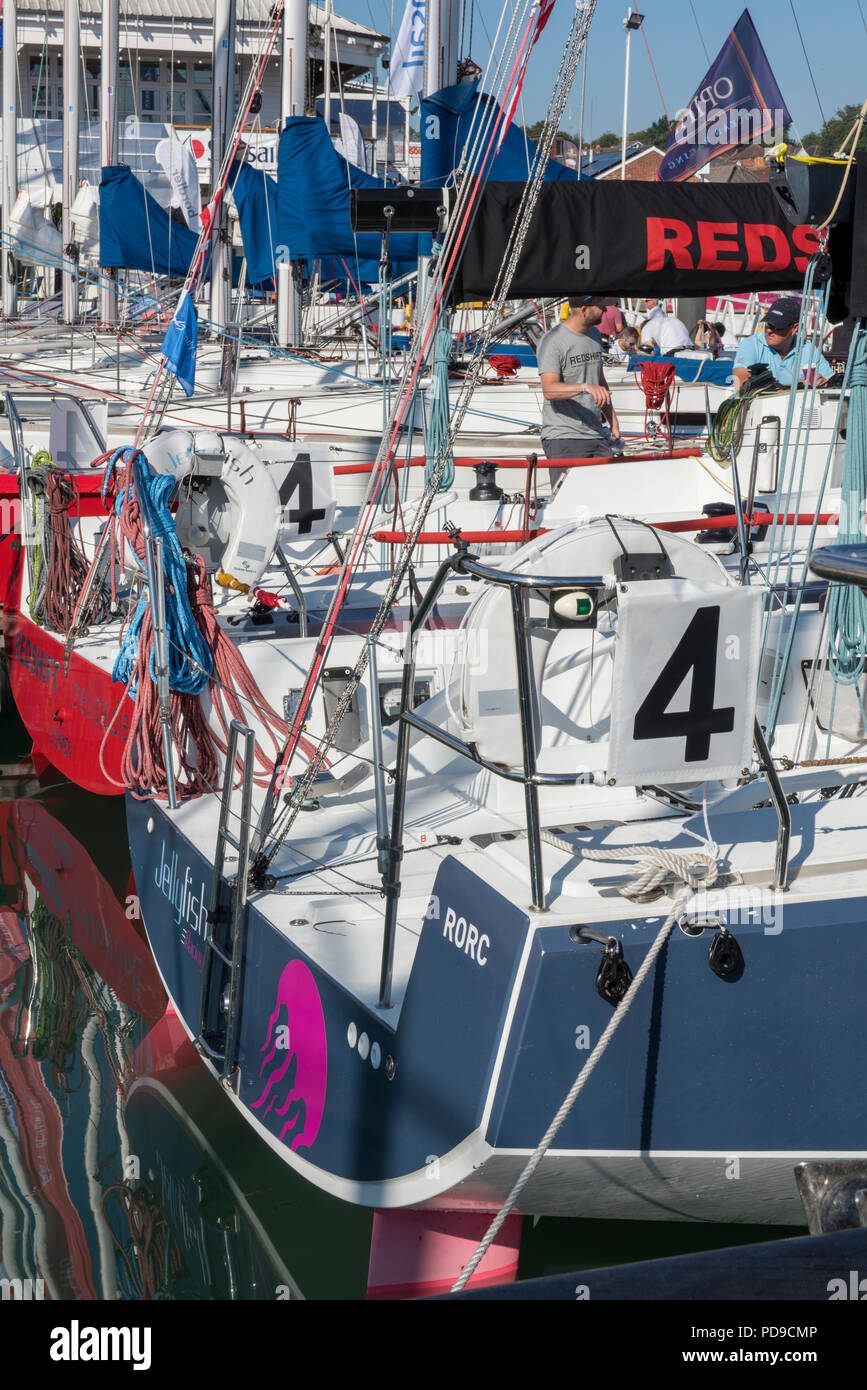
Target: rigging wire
700 34
807 60
655 78
444 266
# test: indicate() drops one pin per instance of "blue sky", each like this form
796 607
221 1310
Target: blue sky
833 31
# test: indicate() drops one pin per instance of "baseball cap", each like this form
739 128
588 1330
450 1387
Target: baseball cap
783 313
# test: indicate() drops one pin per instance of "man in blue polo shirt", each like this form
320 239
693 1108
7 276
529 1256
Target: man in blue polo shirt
774 348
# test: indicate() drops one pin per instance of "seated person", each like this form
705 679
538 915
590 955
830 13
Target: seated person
774 348
624 345
655 311
714 337
729 341
665 332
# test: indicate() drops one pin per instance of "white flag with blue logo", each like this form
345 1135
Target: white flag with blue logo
179 344
406 70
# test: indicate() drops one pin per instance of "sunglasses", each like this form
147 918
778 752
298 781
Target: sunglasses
779 332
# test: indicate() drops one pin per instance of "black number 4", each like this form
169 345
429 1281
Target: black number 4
300 478
696 652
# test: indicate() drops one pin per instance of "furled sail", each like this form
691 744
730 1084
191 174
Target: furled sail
255 196
35 240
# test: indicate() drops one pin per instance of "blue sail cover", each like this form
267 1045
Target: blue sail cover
313 183
255 195
135 233
446 117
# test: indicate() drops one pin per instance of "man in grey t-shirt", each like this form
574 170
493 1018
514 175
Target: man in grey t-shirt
578 419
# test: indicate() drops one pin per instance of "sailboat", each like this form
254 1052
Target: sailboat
533 816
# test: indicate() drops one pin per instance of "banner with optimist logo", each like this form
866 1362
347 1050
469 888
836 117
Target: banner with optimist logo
738 101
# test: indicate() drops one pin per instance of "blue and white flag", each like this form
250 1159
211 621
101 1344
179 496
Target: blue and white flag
406 70
737 102
179 344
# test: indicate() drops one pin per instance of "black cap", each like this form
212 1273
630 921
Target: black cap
783 313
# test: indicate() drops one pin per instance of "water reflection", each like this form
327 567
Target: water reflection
124 1171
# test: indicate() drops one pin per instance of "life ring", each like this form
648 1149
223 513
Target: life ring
485 683
229 510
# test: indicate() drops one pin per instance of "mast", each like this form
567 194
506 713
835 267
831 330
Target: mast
632 21
326 68
222 112
440 70
441 45
10 146
71 104
293 92
108 138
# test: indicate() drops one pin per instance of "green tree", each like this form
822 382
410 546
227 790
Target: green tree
655 134
834 132
607 141
535 130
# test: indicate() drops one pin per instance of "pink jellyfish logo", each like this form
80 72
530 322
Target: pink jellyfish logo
297 1052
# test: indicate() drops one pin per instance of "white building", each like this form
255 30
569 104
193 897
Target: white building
165 58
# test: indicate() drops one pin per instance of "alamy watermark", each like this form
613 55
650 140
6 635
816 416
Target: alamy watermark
22 1290
709 120
10 516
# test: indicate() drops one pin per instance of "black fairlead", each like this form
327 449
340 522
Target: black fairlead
613 977
725 956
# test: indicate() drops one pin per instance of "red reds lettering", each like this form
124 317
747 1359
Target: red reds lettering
727 246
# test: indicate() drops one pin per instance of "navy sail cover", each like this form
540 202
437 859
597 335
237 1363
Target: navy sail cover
255 196
453 115
313 183
135 233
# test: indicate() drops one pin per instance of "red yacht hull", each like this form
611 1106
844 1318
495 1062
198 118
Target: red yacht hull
66 714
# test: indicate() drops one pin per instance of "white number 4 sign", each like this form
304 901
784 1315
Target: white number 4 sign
685 672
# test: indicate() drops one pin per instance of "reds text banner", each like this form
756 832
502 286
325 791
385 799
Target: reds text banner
637 238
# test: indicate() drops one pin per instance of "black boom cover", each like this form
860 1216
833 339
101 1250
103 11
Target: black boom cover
637 238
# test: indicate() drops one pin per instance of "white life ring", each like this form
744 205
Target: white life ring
485 691
229 508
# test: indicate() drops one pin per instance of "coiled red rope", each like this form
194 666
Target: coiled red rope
656 380
232 687
232 684
66 567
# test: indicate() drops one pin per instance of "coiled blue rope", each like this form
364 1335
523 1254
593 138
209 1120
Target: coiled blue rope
190 659
438 425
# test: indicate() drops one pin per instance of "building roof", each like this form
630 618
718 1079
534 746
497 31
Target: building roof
198 12
606 159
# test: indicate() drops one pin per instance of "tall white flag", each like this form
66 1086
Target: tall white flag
179 163
406 70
